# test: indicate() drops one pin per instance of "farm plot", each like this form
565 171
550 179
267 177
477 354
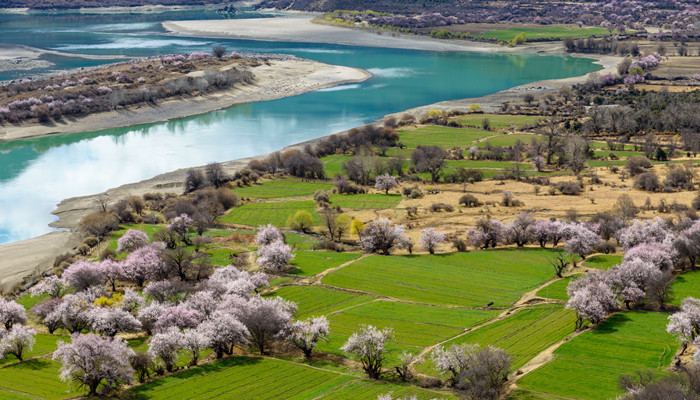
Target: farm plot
35 378
415 326
365 389
685 285
485 164
509 140
310 263
280 188
497 121
623 344
256 214
557 290
603 261
442 136
244 378
44 344
472 279
333 164
553 32
317 301
522 335
365 201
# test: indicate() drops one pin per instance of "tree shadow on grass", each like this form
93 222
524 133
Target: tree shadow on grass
142 392
611 324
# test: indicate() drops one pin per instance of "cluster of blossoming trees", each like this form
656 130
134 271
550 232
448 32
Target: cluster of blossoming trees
653 249
182 315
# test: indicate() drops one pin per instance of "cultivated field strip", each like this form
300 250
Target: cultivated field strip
315 300
365 201
462 279
309 263
623 344
44 382
281 188
257 214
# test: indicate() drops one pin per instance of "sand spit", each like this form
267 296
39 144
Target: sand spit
281 78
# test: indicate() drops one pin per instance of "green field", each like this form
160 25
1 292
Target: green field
310 263
332 164
497 121
365 201
478 164
365 389
557 290
522 335
264 378
624 343
463 279
553 32
318 300
603 261
509 140
443 136
685 285
256 214
280 188
35 378
220 256
415 326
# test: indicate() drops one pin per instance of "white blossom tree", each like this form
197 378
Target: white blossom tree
275 256
166 345
430 239
110 321
11 313
369 347
224 332
195 341
381 236
268 234
266 319
17 341
305 334
91 360
385 182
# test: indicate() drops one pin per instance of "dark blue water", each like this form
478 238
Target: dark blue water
36 174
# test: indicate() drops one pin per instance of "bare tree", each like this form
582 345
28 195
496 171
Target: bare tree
215 174
429 159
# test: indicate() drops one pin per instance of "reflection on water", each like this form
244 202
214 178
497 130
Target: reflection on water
36 174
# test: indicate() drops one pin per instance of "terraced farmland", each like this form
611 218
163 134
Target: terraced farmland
365 201
256 214
557 290
310 263
685 285
415 326
442 136
264 378
36 378
591 363
316 300
461 279
497 121
281 188
522 335
603 261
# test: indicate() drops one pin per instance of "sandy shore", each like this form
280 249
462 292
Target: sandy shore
301 29
279 79
20 57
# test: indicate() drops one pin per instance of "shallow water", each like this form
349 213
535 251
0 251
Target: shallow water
36 174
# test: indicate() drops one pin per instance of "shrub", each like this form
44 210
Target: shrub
412 192
218 51
637 164
509 200
647 181
469 200
437 207
570 188
459 244
301 221
605 246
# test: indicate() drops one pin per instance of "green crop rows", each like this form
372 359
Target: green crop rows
256 214
310 263
462 279
365 201
316 300
591 363
281 188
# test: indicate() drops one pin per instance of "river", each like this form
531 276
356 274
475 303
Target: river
36 174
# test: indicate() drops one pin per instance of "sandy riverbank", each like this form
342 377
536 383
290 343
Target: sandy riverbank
282 78
20 57
299 28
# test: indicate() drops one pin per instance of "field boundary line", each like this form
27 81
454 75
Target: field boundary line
318 277
348 383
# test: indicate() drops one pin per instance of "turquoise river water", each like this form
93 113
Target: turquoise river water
36 174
